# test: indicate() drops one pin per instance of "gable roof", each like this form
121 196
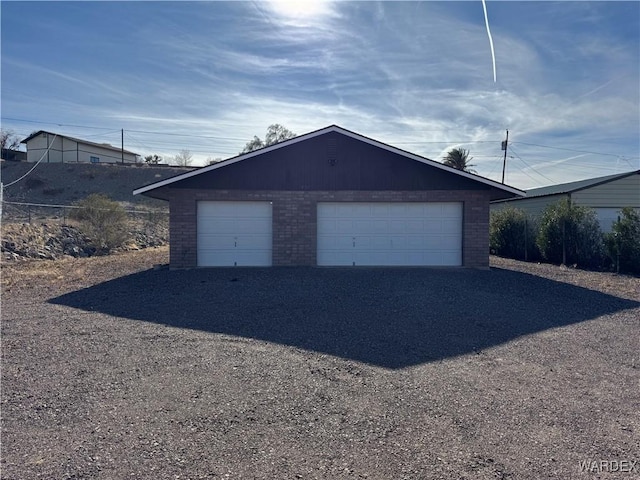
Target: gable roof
316 133
79 140
577 186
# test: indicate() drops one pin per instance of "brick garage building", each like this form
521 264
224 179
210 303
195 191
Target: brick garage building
330 197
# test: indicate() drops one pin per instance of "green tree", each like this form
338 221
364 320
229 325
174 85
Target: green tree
459 159
103 220
623 242
276 133
570 234
512 234
153 159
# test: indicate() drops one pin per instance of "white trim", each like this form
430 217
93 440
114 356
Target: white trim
331 128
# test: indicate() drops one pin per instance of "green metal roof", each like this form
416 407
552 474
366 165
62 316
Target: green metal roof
575 186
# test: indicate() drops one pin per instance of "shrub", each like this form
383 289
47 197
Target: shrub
570 234
52 191
624 240
34 182
512 234
103 221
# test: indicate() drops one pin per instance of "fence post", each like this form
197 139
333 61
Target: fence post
29 213
564 249
617 237
525 240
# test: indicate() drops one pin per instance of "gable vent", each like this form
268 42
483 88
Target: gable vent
332 151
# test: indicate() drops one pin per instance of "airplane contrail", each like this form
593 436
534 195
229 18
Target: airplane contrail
493 54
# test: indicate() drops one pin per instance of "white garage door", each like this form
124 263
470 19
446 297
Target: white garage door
390 234
234 234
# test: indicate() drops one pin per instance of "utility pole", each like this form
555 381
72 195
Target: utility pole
505 144
122 144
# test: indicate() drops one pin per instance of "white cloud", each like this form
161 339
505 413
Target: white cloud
415 75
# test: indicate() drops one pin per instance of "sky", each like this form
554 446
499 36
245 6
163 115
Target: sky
208 76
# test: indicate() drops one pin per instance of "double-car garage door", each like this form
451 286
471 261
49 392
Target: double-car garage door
372 233
407 234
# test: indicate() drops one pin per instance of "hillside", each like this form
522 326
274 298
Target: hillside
66 183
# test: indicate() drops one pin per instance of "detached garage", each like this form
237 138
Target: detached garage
332 198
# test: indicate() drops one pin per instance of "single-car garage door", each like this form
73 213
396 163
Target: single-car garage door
234 234
425 234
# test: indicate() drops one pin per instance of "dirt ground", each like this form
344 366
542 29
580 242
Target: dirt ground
112 369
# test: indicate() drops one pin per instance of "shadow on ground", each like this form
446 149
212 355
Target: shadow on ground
391 318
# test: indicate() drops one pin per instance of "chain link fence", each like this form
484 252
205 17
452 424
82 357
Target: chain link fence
34 213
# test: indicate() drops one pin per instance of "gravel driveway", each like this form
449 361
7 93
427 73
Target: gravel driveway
113 369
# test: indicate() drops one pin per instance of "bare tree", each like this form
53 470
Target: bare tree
183 158
276 133
8 140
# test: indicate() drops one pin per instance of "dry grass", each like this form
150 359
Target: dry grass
69 273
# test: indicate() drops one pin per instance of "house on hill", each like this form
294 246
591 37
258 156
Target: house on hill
58 148
14 155
606 195
331 197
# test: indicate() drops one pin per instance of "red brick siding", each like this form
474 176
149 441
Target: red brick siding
294 220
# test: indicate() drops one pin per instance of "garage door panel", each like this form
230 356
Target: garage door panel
213 241
344 226
450 258
218 258
234 233
333 257
410 226
433 225
453 225
211 225
252 225
452 209
389 233
335 242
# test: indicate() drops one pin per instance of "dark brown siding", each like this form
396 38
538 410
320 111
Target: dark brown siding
330 162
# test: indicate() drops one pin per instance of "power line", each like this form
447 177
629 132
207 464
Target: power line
32 168
186 135
570 149
214 137
529 166
52 123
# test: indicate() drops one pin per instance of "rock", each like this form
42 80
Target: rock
50 241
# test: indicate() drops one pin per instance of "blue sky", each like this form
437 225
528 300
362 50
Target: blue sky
208 76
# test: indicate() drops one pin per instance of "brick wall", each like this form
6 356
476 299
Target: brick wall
294 220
